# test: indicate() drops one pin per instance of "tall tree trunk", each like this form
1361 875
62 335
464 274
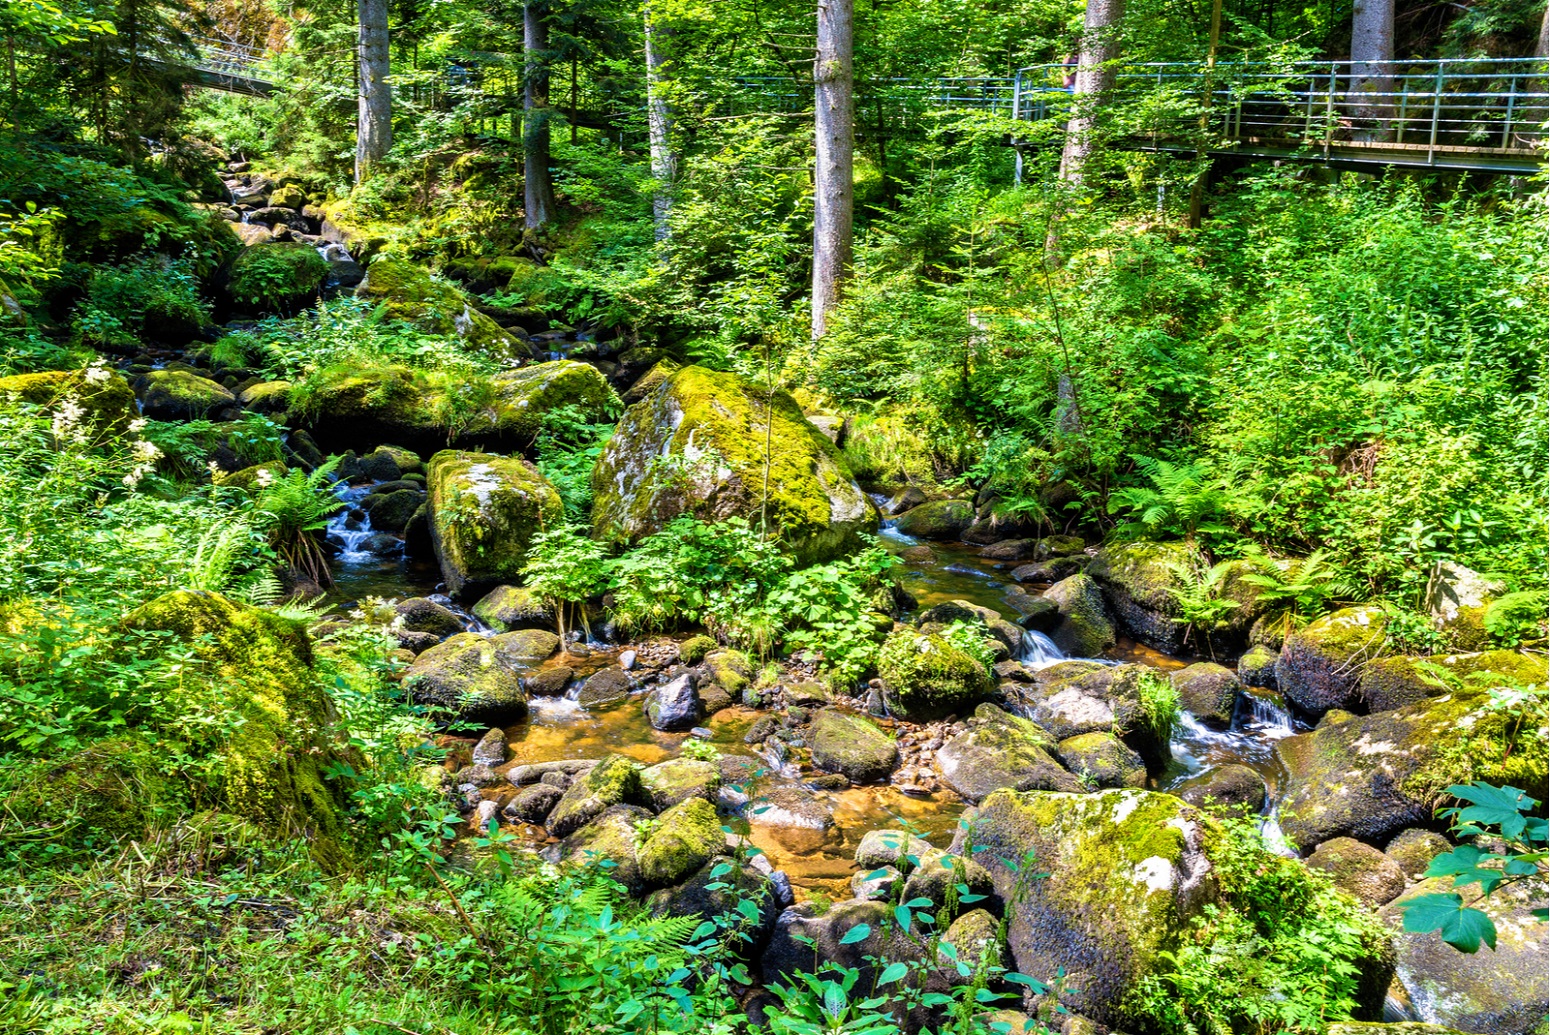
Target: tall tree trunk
1372 77
834 123
374 115
1094 79
539 184
659 122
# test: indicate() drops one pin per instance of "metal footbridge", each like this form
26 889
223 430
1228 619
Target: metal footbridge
1472 114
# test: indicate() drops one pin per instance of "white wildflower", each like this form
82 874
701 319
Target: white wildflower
214 469
137 425
145 451
264 478
97 373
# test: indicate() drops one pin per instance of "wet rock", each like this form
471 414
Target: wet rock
527 644
627 660
713 699
925 677
471 677
674 705
943 519
1414 849
418 614
1140 861
391 512
1015 671
874 885
1394 682
1236 788
605 687
1136 579
416 642
1101 760
721 423
1085 629
729 669
760 731
1052 570
997 522
804 943
715 891
613 781
551 681
894 848
476 775
1320 664
938 873
1490 993
177 395
851 745
907 498
534 803
971 942
532 772
507 608
1209 692
683 839
1001 751
612 835
1362 871
491 749
679 779
791 808
1257 667
483 511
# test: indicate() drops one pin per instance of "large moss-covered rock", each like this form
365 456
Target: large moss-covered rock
849 744
104 399
1209 692
612 835
1138 580
280 732
1101 760
942 519
1320 664
684 838
615 780
182 395
1501 992
1236 789
1127 871
697 445
1363 872
277 276
1074 698
1394 682
1369 777
1002 751
472 678
436 307
677 780
353 408
1084 630
805 941
925 677
523 397
1457 599
484 510
505 608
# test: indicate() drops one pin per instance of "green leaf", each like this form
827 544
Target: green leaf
1460 926
856 934
892 973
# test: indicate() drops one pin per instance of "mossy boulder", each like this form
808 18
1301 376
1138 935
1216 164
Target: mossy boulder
1257 667
1000 751
1457 599
615 780
1100 760
697 445
472 678
484 510
1387 683
107 402
283 731
527 644
436 307
520 400
1389 1028
611 835
540 287
277 276
1136 579
1500 992
1235 788
677 780
1414 848
806 940
506 608
729 669
91 798
716 891
925 677
684 838
942 519
1084 629
650 381
845 743
1320 664
1208 691
266 397
1127 869
1361 871
1370 776
183 395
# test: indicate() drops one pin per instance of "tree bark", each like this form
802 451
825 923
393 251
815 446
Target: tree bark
374 116
834 124
1094 79
1372 77
538 183
659 122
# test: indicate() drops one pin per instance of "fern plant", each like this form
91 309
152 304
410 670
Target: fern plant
1197 591
1298 589
1183 499
291 510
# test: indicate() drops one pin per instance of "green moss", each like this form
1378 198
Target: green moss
695 648
615 780
1394 682
506 608
686 837
436 307
523 397
470 676
282 724
248 477
925 677
943 519
1142 571
697 445
1102 760
679 779
267 396
484 510
852 745
730 669
539 287
109 404
182 395
87 800
280 275
650 381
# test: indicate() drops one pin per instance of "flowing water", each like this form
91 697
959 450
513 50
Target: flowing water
560 728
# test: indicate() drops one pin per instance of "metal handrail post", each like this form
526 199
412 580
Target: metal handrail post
1017 107
1404 100
1512 95
1431 146
1329 111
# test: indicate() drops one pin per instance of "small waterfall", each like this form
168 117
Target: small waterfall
340 533
470 623
1265 712
1039 651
